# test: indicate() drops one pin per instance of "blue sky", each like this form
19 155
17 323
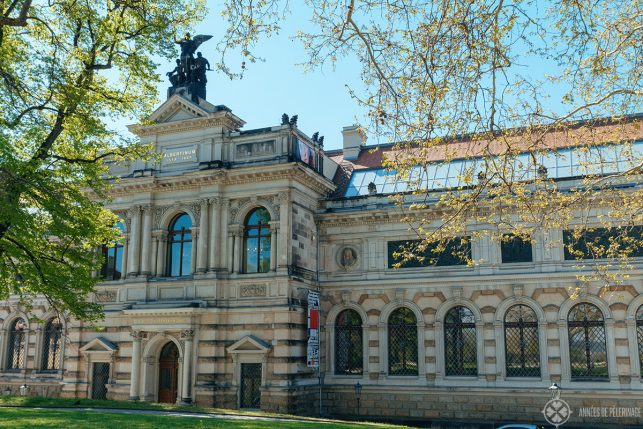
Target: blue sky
276 86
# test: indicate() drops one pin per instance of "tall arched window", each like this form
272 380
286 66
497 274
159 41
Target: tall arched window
402 343
52 345
179 255
256 242
113 254
460 347
587 348
522 354
639 334
16 347
348 343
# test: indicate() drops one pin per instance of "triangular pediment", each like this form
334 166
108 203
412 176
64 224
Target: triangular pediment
99 344
249 344
178 108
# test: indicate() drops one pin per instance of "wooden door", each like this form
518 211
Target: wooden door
168 373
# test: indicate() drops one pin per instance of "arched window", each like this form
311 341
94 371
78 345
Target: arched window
348 343
256 242
522 354
52 345
587 348
402 343
460 347
16 347
113 254
179 255
639 334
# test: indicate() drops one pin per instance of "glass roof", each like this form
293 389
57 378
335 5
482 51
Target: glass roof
564 163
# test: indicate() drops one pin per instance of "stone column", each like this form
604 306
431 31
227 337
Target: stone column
274 228
195 250
284 230
146 236
155 252
186 394
237 259
204 224
135 242
125 254
136 366
161 238
215 221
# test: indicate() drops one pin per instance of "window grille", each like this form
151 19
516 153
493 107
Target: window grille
179 255
587 346
52 345
639 334
515 249
256 242
402 343
460 347
348 343
522 354
16 347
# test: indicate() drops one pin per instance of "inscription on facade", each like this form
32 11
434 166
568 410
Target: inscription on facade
159 321
178 155
252 290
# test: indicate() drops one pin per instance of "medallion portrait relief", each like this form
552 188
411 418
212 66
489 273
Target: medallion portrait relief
347 257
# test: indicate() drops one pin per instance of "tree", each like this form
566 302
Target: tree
500 82
67 68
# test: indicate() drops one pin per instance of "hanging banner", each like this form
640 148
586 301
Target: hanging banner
313 329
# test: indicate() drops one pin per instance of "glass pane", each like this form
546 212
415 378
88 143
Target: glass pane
118 266
187 259
175 259
252 255
264 264
182 221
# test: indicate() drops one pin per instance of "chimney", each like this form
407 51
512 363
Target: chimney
353 140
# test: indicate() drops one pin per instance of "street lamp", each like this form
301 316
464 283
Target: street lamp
358 395
554 390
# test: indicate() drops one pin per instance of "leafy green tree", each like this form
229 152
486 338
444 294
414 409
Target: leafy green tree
490 80
67 69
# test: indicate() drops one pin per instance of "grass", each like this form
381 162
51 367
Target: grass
44 418
18 418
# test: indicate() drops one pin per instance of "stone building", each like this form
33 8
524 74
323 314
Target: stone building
206 297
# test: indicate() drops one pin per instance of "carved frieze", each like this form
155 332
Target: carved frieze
246 291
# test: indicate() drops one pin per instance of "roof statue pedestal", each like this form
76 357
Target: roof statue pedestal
188 78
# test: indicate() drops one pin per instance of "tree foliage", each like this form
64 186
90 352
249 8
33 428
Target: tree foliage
68 68
489 80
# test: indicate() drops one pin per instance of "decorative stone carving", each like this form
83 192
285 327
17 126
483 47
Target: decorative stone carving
252 290
347 257
136 335
105 296
186 334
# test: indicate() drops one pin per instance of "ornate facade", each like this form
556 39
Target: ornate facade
225 233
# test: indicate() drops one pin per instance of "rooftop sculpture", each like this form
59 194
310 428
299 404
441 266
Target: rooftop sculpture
188 77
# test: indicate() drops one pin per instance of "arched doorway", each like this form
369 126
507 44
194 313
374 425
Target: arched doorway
168 373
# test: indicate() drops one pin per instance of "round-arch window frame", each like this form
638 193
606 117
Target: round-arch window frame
52 345
460 331
257 241
17 346
113 265
521 338
179 246
349 353
594 341
639 336
402 343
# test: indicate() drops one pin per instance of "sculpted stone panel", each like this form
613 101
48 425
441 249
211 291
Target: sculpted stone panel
252 290
247 150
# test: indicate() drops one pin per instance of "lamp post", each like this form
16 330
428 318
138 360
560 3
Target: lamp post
554 390
358 395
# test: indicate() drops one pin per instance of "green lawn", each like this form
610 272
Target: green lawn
72 419
15 418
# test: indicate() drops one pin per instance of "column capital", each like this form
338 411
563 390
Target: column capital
283 197
136 335
147 208
187 334
215 201
134 210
